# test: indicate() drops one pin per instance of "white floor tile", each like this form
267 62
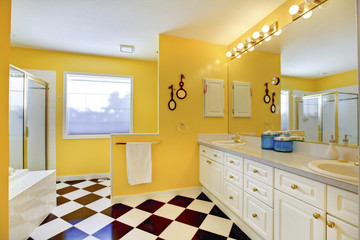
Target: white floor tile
134 201
91 238
134 217
178 231
66 208
76 194
164 199
169 211
94 223
217 225
50 229
191 194
138 234
61 185
103 192
105 183
201 206
100 204
84 184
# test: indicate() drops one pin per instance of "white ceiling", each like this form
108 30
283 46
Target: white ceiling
324 43
98 27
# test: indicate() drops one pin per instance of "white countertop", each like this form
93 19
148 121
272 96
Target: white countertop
294 162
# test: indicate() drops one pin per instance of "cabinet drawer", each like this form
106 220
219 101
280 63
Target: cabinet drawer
302 188
337 229
234 162
259 190
234 177
343 204
258 216
260 172
233 198
213 154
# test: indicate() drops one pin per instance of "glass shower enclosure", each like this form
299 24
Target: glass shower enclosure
27 120
326 114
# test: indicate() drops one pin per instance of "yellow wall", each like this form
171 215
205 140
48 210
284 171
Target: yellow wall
91 156
5 10
336 81
176 159
294 83
256 67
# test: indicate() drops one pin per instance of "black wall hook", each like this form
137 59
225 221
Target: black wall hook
181 93
273 107
172 103
267 96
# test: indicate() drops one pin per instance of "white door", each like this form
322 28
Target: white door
297 220
204 172
216 179
241 99
213 97
337 229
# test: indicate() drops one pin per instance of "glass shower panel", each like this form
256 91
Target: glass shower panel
348 117
16 118
36 125
308 117
328 116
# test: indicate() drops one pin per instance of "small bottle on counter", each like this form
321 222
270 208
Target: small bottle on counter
331 152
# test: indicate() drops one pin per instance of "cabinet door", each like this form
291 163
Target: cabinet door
297 220
204 172
213 98
337 229
233 198
241 99
216 179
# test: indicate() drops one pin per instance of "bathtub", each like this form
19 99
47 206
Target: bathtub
32 196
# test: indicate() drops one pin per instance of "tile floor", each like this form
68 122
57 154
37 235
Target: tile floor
84 211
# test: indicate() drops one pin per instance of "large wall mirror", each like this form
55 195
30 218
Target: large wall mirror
318 91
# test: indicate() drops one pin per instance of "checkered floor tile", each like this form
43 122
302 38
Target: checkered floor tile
84 211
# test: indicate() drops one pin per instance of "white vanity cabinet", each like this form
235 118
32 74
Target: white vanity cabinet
212 170
338 229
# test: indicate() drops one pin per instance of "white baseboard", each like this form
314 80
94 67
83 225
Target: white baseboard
82 177
240 223
183 191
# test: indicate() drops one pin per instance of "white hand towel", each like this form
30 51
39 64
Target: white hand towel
138 162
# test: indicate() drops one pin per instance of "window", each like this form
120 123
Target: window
285 109
96 105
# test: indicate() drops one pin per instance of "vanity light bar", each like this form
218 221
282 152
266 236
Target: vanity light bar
304 9
257 38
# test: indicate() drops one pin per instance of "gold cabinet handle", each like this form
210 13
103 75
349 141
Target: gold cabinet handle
255 171
215 155
231 161
230 197
294 186
254 189
254 215
331 224
203 150
231 176
316 215
210 162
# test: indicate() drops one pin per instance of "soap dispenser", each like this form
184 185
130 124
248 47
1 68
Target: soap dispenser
331 152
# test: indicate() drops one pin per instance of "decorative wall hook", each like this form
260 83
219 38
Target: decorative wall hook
181 93
267 96
172 103
275 81
273 107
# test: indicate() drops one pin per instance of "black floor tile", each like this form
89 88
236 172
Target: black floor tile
181 201
114 230
155 224
217 212
150 205
191 217
205 235
116 210
237 233
203 197
70 234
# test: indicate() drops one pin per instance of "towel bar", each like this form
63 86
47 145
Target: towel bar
124 143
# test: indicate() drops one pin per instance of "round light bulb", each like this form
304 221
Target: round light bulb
234 49
251 49
248 40
277 33
265 28
268 38
256 35
239 56
294 9
228 54
307 15
240 46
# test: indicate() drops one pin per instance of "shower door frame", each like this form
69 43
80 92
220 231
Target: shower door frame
31 77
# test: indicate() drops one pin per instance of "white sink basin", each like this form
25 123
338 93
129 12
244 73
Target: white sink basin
342 169
227 143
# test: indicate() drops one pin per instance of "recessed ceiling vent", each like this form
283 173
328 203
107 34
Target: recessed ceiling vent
127 48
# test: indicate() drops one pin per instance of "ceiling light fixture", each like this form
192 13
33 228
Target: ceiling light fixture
127 48
257 38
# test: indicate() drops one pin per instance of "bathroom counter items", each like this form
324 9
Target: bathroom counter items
294 162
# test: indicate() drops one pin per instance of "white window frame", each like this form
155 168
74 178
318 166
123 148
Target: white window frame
288 92
90 136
